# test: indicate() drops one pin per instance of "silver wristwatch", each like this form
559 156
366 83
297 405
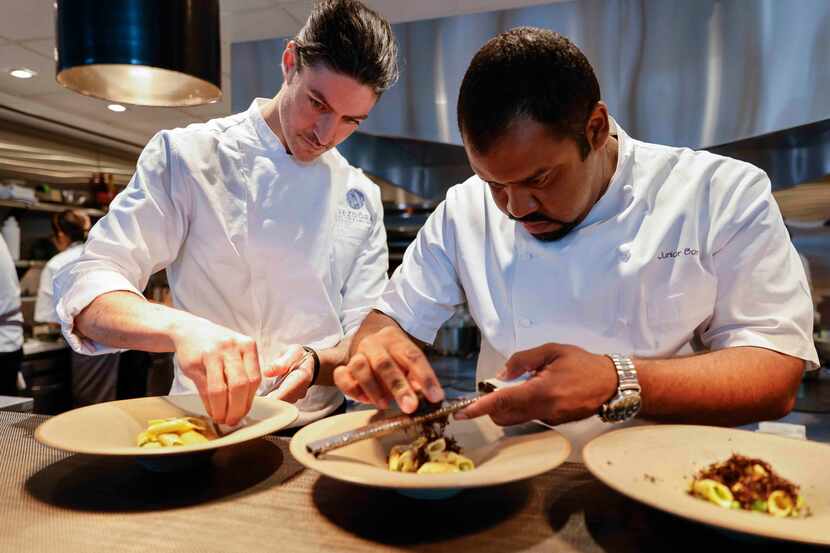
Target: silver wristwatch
626 402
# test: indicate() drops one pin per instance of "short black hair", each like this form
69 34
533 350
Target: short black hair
352 40
73 222
527 72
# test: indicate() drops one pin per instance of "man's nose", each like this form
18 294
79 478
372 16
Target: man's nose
520 203
325 129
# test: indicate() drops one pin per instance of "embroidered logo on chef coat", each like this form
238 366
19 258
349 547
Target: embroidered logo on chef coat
355 198
357 214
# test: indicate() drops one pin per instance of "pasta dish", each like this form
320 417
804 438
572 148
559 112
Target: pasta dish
750 484
174 431
430 453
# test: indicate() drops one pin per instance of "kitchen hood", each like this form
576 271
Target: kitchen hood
701 74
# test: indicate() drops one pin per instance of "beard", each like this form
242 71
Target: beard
552 236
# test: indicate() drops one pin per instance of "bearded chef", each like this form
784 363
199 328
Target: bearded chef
621 279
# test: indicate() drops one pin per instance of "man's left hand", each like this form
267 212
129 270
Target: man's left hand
567 384
297 381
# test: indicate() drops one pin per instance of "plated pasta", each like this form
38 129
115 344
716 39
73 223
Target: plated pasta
750 484
430 453
174 431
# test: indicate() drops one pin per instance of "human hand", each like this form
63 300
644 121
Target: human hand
388 366
298 367
567 384
224 366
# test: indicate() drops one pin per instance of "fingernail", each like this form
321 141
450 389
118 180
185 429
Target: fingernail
434 393
408 403
502 375
460 416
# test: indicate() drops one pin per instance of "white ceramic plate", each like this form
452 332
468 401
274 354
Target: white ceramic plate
111 428
656 464
501 454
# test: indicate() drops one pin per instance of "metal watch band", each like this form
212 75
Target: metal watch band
626 402
626 372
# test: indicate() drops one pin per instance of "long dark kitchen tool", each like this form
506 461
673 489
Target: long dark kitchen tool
426 412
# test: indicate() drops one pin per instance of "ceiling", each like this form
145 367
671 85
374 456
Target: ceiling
27 40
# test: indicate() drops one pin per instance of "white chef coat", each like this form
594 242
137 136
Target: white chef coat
281 251
45 302
11 335
685 251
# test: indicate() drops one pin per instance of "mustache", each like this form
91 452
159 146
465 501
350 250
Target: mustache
536 218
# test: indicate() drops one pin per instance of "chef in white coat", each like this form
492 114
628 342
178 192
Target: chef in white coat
270 239
94 378
621 277
11 323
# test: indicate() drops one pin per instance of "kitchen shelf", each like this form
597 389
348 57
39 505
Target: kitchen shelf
49 208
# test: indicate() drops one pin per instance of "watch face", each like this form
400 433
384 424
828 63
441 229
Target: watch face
626 407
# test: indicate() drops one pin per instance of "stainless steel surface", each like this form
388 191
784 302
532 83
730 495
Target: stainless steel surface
388 425
695 74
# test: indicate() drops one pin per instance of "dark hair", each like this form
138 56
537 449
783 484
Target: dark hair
527 72
73 223
350 39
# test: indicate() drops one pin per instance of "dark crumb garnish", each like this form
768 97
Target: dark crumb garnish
650 478
747 486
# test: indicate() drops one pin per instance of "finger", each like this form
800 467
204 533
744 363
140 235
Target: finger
390 374
419 372
285 362
237 381
348 385
505 406
361 369
216 388
200 380
250 362
295 385
529 361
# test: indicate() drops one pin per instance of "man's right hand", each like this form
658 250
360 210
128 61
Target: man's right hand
224 366
387 365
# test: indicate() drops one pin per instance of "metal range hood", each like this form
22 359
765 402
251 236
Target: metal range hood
728 75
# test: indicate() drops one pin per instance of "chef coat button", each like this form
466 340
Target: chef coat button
525 323
628 188
625 252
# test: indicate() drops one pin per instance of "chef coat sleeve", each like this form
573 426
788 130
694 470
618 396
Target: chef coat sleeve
762 295
425 289
141 234
367 278
45 302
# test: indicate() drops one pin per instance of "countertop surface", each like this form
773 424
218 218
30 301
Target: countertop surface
257 497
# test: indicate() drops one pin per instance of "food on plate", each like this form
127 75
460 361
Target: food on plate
174 431
430 453
750 484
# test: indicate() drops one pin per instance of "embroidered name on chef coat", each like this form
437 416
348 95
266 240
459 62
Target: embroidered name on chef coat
677 253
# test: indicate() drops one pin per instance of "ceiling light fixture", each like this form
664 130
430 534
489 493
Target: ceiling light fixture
22 73
143 52
117 108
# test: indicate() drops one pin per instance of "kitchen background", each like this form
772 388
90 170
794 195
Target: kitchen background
744 78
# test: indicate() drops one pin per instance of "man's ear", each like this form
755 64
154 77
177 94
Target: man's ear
289 61
598 128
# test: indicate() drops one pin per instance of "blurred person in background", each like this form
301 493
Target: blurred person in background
93 379
11 323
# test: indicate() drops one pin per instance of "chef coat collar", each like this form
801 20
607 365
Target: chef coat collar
266 134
